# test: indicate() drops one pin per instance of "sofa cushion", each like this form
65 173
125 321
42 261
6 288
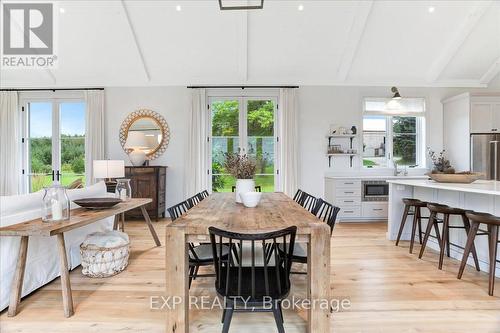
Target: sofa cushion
19 208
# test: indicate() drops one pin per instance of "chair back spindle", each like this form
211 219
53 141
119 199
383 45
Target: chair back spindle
236 278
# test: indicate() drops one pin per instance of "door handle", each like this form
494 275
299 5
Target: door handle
53 175
58 175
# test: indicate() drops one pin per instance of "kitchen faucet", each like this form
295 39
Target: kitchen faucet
398 172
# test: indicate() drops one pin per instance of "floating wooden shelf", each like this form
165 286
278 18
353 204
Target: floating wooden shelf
351 138
341 154
351 156
342 136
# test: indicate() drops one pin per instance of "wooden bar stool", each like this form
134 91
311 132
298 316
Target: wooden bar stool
493 223
412 208
447 211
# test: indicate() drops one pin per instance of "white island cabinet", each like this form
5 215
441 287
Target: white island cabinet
481 196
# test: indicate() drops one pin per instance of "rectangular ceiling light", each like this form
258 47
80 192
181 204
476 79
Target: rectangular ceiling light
241 4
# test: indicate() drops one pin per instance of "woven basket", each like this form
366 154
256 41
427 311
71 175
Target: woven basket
100 262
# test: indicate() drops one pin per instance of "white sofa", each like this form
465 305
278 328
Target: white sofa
42 264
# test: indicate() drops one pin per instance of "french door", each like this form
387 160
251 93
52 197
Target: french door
245 125
53 142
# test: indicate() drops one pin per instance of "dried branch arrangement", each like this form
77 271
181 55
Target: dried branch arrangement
240 166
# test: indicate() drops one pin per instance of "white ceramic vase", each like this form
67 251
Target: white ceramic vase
137 157
243 186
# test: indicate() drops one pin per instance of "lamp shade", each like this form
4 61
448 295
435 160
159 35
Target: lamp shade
109 168
136 140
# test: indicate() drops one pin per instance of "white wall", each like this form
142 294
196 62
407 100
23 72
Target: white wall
172 103
319 106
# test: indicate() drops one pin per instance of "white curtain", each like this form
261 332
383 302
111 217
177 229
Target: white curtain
94 131
10 139
289 140
196 178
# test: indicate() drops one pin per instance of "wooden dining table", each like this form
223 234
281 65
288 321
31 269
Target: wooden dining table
275 211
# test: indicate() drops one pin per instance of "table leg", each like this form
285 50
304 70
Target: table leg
176 280
319 279
17 282
122 222
150 226
65 282
115 223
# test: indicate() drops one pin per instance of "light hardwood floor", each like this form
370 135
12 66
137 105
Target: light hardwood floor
389 291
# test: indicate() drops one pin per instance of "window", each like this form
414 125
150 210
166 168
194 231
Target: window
246 125
393 132
54 142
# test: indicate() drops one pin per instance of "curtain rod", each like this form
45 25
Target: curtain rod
242 87
47 89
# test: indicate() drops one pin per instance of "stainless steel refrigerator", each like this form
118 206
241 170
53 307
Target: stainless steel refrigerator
485 155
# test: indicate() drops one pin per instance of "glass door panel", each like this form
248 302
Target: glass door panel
225 131
72 138
40 165
260 122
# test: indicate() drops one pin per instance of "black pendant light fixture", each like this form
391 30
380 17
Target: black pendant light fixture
395 91
234 7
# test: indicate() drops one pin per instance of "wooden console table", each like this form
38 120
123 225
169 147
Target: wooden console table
79 217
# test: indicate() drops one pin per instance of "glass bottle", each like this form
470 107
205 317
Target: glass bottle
123 190
55 204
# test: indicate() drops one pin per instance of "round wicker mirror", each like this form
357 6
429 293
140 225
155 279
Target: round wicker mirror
150 128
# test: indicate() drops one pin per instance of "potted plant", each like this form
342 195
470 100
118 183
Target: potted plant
440 163
243 169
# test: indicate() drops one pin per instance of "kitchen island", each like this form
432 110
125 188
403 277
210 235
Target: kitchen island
481 196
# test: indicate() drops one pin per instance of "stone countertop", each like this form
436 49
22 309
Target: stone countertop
378 177
490 187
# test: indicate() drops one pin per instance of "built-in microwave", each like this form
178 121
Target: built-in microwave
375 190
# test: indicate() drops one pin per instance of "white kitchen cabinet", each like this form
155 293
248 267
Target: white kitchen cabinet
374 210
346 194
465 114
496 116
482 118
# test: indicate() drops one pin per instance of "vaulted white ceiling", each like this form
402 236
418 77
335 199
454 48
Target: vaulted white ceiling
137 43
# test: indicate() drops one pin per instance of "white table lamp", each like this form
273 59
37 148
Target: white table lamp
107 169
137 142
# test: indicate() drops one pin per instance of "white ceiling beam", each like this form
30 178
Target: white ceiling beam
243 57
491 72
136 41
355 35
451 49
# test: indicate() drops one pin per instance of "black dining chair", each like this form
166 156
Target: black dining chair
327 213
309 202
178 210
258 188
203 194
199 255
262 287
194 200
298 195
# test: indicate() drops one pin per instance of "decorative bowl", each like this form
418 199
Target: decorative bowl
97 203
462 178
250 199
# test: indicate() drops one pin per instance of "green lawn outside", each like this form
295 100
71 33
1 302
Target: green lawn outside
39 182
